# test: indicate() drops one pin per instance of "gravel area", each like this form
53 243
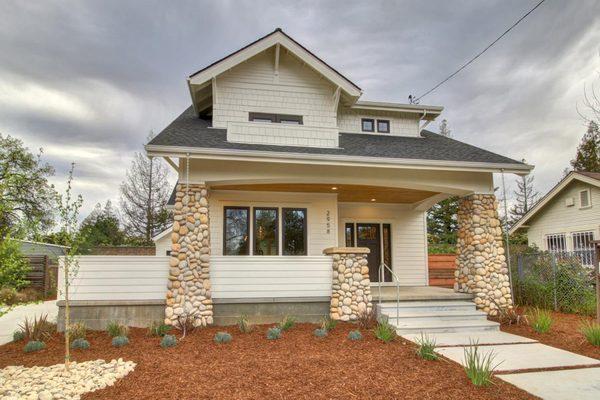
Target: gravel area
54 382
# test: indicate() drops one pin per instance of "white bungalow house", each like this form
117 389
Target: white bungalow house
567 218
293 195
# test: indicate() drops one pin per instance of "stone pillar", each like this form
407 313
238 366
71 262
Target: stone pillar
351 287
481 266
188 288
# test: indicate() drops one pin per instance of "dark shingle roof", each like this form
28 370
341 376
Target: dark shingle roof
188 130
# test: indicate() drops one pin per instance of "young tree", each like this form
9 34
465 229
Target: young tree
588 152
444 129
442 223
101 228
525 198
144 196
26 197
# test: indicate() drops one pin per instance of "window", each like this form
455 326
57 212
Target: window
275 118
583 247
584 199
556 243
349 233
368 125
265 232
235 231
293 222
383 126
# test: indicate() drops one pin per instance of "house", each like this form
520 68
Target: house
294 196
566 219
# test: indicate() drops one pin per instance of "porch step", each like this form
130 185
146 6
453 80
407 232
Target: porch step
426 306
467 315
446 326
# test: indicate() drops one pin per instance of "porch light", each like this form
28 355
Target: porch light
334 188
373 199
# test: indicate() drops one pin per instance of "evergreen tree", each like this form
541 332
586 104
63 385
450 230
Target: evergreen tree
101 228
444 129
525 198
588 152
442 223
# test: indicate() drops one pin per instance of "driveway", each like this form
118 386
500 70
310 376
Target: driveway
10 321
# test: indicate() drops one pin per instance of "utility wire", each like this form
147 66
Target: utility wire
478 55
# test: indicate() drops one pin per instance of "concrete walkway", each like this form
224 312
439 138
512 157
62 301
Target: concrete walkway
514 355
11 320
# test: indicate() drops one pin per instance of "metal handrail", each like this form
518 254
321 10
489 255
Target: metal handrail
381 273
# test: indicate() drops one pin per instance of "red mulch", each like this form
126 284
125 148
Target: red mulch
564 333
298 366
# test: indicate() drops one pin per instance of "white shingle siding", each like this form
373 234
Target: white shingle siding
349 120
277 134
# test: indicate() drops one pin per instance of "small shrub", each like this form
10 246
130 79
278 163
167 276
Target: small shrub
77 331
367 319
426 347
223 337
82 344
39 329
158 329
120 341
541 320
15 265
479 367
320 332
115 328
30 295
18 335
288 322
385 332
244 325
168 341
355 335
9 296
274 333
34 345
591 331
328 324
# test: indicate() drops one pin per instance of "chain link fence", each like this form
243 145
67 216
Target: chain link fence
560 281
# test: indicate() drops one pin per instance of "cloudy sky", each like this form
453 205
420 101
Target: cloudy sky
88 80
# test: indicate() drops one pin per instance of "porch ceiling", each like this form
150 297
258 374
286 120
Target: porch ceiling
346 193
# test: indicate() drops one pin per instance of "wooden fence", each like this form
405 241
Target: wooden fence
441 270
43 273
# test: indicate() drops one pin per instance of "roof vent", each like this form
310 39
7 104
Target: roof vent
569 202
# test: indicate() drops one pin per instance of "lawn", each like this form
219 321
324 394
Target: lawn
298 366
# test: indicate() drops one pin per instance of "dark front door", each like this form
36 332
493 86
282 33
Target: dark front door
368 235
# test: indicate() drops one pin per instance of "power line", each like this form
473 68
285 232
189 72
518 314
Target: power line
413 100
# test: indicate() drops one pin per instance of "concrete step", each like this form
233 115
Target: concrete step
427 306
437 326
427 316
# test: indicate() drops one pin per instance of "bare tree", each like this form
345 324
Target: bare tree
525 198
444 129
144 197
591 101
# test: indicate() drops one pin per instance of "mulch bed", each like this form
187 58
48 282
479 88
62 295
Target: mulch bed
565 334
297 366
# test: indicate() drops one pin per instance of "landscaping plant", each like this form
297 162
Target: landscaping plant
541 320
120 341
367 319
288 322
243 324
479 367
426 347
34 345
223 337
168 341
274 333
38 329
158 328
15 266
591 331
327 323
115 328
81 344
320 332
77 331
385 332
355 335
18 335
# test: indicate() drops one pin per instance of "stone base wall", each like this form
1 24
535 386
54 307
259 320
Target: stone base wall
351 286
189 290
481 266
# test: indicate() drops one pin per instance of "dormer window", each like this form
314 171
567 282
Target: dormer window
368 125
383 126
275 118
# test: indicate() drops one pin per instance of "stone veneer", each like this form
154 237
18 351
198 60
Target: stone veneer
189 292
351 287
481 266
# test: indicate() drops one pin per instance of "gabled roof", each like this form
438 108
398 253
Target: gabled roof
266 42
190 134
592 178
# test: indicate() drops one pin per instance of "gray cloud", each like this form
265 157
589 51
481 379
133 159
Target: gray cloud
88 80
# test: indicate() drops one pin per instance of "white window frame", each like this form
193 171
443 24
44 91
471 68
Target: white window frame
589 197
556 237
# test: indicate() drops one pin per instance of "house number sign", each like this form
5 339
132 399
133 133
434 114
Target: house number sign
328 219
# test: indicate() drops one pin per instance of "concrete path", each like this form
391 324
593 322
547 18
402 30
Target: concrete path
462 339
581 384
10 321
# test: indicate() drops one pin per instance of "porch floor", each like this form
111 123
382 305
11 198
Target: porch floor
409 293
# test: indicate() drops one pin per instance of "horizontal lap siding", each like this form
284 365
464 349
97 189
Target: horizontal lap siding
118 278
265 277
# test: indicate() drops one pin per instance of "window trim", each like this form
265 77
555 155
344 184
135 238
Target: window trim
276 209
556 236
589 198
362 127
276 118
350 225
304 230
387 121
225 208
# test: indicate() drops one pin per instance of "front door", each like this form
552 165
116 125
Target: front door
368 235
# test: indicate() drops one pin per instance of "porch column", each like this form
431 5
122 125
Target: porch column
481 266
189 293
351 286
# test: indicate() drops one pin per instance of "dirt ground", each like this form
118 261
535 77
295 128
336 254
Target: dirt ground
297 366
564 333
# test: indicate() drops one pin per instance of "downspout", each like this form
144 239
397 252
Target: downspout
426 122
506 235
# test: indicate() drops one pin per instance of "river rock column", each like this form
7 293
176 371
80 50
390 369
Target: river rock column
351 286
481 266
188 288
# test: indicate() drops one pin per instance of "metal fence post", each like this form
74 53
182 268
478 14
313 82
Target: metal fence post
554 281
597 265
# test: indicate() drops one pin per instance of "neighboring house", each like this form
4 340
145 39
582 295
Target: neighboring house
283 171
162 242
567 219
53 251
